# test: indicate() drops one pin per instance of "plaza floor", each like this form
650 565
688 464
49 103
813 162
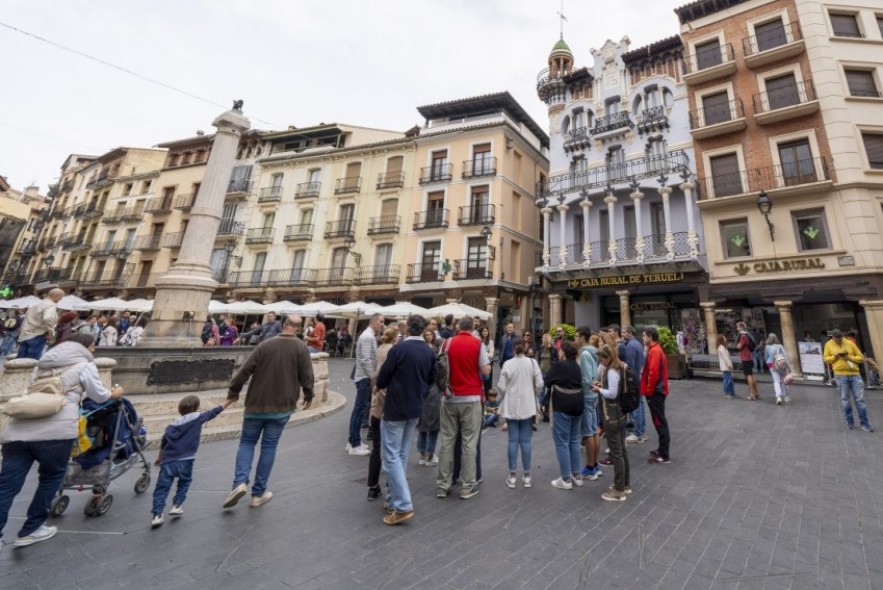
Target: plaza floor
757 496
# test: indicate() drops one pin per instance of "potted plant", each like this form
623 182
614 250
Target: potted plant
677 363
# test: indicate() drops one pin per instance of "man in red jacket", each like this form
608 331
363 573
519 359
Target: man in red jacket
654 386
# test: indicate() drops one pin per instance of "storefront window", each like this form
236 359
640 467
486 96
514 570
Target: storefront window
812 231
735 236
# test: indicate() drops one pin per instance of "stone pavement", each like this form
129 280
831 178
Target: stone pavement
757 496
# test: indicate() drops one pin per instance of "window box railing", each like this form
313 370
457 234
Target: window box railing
807 171
340 228
260 235
772 39
431 219
239 185
270 194
173 240
133 213
478 167
301 232
384 224
708 58
478 215
380 274
425 273
390 180
306 190
292 277
185 202
436 173
801 92
466 269
337 276
714 115
148 242
86 211
612 122
347 185
159 206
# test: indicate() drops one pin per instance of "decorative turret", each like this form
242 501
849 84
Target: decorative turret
550 85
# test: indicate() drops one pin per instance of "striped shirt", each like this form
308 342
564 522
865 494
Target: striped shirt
366 355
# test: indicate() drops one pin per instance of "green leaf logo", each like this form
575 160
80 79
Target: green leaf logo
739 240
811 232
742 269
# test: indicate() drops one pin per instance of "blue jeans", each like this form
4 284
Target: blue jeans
183 471
729 388
639 418
313 350
360 410
268 431
396 440
18 456
851 385
520 433
8 343
426 441
565 433
32 348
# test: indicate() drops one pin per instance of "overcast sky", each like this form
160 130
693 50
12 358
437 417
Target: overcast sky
294 62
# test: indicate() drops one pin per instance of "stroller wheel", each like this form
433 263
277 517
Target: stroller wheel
59 505
142 484
104 505
91 507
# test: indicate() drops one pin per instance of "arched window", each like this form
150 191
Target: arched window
565 124
668 98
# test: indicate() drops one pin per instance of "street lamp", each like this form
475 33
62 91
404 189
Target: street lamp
765 206
49 260
486 233
229 246
350 243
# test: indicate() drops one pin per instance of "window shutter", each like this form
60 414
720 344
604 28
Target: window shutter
725 175
845 25
770 35
708 54
874 149
861 83
716 108
782 91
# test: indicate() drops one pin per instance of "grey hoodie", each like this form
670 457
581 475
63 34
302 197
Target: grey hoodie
79 374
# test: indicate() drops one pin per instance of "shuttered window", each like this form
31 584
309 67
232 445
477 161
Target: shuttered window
725 175
874 149
845 25
716 108
708 54
782 91
770 35
861 83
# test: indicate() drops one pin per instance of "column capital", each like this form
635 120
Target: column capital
624 294
492 300
878 304
585 204
555 296
636 195
665 191
687 186
708 304
784 304
546 210
610 199
562 208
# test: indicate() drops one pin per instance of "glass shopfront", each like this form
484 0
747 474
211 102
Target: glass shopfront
679 312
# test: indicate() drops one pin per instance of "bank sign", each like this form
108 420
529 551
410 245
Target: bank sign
648 279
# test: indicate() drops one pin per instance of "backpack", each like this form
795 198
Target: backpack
751 343
780 361
443 374
42 399
629 390
206 333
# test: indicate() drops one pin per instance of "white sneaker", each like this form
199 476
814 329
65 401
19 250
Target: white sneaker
631 438
157 521
234 496
787 399
422 461
433 460
360 451
260 500
577 480
561 484
348 447
510 481
176 510
41 534
525 480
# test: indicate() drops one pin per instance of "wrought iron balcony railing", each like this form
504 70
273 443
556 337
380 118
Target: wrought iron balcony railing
800 93
431 219
302 232
340 228
477 167
436 173
652 119
772 39
159 206
185 202
425 273
708 58
612 122
335 276
381 274
270 194
148 242
792 174
478 215
390 180
305 190
347 185
239 185
173 240
260 235
229 227
714 115
466 269
384 224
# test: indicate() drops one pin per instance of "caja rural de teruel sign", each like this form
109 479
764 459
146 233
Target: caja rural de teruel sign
648 279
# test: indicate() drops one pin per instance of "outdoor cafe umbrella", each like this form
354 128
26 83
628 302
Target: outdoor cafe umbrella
72 302
109 304
140 305
355 309
402 309
458 310
21 302
311 309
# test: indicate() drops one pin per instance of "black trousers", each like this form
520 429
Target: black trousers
656 403
374 461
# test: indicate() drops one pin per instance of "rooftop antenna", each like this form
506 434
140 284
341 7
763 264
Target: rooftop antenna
563 18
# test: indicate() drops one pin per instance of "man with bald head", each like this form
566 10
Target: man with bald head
38 326
278 368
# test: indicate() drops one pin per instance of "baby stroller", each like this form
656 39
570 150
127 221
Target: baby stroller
118 441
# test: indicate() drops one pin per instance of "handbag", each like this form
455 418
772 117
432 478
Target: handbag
568 401
43 398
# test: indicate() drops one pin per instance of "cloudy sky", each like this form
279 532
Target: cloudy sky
294 62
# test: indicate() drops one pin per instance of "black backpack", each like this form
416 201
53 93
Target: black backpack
751 343
629 390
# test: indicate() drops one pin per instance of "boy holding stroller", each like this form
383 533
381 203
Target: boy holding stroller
177 453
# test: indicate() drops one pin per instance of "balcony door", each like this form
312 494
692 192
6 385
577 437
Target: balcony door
429 263
108 244
709 54
476 258
144 277
338 261
770 35
479 203
347 212
725 176
435 209
353 173
797 163
382 261
260 259
439 164
297 266
227 217
481 159
782 91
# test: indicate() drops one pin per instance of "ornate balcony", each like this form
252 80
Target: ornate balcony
378 275
159 206
425 273
612 124
148 242
466 269
111 218
249 278
716 120
302 232
783 104
709 64
118 248
390 180
478 167
651 249
239 187
270 194
133 213
479 215
431 219
652 120
52 275
577 139
436 173
260 235
86 211
791 176
75 243
292 277
774 45
335 277
173 240
384 224
348 185
185 202
307 190
229 228
340 228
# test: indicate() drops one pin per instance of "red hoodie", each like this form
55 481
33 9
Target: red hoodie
654 378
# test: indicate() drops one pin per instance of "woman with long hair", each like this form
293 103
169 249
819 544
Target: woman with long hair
565 381
375 414
546 358
484 334
609 387
778 371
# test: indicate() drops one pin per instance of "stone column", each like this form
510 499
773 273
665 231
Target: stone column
547 226
874 315
710 325
493 306
625 312
665 191
636 196
692 235
183 293
789 339
611 199
105 370
562 248
587 244
16 377
554 310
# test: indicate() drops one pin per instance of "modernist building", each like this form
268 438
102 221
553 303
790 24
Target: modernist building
785 114
623 241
